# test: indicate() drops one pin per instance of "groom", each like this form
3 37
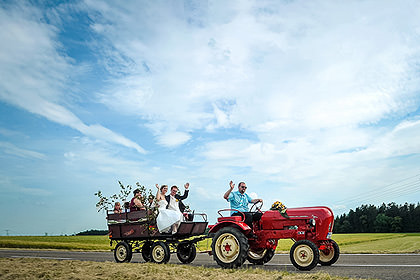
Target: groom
175 200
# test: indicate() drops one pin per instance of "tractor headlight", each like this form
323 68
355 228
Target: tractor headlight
312 222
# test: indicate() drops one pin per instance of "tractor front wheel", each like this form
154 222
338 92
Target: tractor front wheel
329 255
304 255
260 256
230 247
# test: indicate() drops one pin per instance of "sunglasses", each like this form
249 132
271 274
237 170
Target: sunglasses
244 187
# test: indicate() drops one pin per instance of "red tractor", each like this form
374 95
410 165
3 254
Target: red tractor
235 241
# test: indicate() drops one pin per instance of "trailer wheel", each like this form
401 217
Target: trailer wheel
260 256
229 247
146 250
329 256
304 255
160 252
123 252
186 252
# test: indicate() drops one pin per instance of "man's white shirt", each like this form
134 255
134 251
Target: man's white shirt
173 204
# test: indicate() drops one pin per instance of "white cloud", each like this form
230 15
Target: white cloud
173 139
34 74
284 69
309 87
8 186
11 149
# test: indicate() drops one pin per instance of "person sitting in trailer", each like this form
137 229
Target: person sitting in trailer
117 208
168 220
135 203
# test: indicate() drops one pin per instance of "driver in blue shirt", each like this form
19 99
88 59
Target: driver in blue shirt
239 200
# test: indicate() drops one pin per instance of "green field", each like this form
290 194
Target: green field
349 243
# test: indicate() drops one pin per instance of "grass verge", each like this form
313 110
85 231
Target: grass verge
23 268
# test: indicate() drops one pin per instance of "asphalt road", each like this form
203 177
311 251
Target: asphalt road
395 266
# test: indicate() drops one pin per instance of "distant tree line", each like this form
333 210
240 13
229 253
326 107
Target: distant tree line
93 232
385 218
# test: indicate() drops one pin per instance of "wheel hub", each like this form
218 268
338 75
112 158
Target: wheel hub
227 247
121 252
326 255
158 254
303 255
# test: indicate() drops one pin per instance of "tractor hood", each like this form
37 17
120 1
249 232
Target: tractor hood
321 217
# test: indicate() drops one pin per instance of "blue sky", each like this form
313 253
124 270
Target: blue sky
308 102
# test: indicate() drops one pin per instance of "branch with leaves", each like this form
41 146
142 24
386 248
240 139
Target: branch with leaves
147 199
106 203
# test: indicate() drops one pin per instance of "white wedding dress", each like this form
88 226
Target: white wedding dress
166 218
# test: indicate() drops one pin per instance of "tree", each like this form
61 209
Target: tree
382 223
396 224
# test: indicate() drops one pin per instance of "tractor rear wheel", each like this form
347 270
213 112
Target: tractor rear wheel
160 252
123 252
260 256
329 256
186 252
304 255
229 247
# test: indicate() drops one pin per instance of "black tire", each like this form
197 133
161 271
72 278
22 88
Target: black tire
146 250
160 252
260 256
186 252
229 247
123 252
304 255
329 257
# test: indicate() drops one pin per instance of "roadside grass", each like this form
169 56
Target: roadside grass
349 243
89 243
32 268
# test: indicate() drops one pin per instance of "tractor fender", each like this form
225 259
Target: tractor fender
240 225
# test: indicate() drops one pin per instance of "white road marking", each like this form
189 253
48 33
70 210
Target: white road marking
402 254
356 265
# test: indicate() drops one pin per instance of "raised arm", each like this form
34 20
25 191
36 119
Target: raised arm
186 186
158 194
231 186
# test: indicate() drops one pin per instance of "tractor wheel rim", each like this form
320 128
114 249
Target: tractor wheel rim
158 253
121 253
303 255
227 247
326 255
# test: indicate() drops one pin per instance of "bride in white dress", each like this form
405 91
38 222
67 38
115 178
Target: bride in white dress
167 219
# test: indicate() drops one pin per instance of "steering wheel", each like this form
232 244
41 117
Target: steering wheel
257 208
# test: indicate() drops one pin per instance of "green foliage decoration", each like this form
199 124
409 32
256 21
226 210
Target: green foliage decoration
147 199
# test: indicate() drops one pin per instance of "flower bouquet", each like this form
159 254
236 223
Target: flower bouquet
281 208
